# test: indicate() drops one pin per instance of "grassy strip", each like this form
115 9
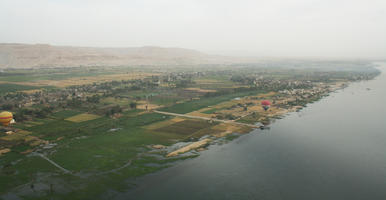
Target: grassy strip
250 119
23 171
204 102
59 75
8 87
210 111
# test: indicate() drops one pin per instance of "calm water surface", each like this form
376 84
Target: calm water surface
333 149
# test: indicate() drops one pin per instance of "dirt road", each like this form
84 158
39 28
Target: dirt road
207 118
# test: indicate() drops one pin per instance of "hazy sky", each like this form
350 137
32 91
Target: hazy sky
321 28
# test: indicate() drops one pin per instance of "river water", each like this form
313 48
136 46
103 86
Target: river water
332 149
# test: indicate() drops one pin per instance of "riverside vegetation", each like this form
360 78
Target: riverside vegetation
100 126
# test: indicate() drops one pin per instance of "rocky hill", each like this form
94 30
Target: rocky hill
44 55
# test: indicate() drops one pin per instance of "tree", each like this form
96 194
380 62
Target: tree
7 106
182 83
133 105
93 99
113 110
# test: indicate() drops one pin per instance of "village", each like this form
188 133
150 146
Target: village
105 98
144 123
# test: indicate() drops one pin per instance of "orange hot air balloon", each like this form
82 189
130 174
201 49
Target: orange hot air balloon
5 118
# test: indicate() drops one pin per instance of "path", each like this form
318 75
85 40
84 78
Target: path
117 169
54 163
206 118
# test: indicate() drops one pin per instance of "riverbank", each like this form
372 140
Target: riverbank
242 108
332 149
102 151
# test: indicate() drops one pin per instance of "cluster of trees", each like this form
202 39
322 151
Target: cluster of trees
93 99
183 83
118 109
113 110
133 105
226 91
26 113
226 116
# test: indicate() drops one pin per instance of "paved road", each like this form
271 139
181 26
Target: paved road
206 118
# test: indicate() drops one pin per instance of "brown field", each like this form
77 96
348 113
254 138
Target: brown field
3 151
200 90
19 135
200 114
142 105
85 80
221 130
161 124
237 111
229 128
207 81
25 136
31 91
217 83
177 119
266 94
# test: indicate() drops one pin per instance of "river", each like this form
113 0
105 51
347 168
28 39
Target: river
332 149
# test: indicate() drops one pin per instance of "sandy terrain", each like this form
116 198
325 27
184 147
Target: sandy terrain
229 129
3 151
200 90
189 147
143 104
85 80
45 55
200 114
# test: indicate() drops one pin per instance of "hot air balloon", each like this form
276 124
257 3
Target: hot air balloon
266 104
6 118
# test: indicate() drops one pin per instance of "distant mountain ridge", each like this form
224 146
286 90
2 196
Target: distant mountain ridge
14 55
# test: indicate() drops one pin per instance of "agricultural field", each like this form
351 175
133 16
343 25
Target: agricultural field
93 146
58 77
65 114
204 102
10 87
82 117
84 131
186 127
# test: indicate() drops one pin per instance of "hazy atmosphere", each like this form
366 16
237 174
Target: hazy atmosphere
274 28
192 99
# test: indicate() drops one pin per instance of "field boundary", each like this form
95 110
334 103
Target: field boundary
206 118
54 163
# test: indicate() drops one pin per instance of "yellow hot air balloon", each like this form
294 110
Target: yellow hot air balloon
5 118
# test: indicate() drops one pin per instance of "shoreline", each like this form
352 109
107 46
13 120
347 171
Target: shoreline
224 132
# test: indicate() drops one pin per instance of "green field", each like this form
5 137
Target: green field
186 127
65 114
8 87
49 74
99 151
210 111
94 130
82 117
204 102
23 171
